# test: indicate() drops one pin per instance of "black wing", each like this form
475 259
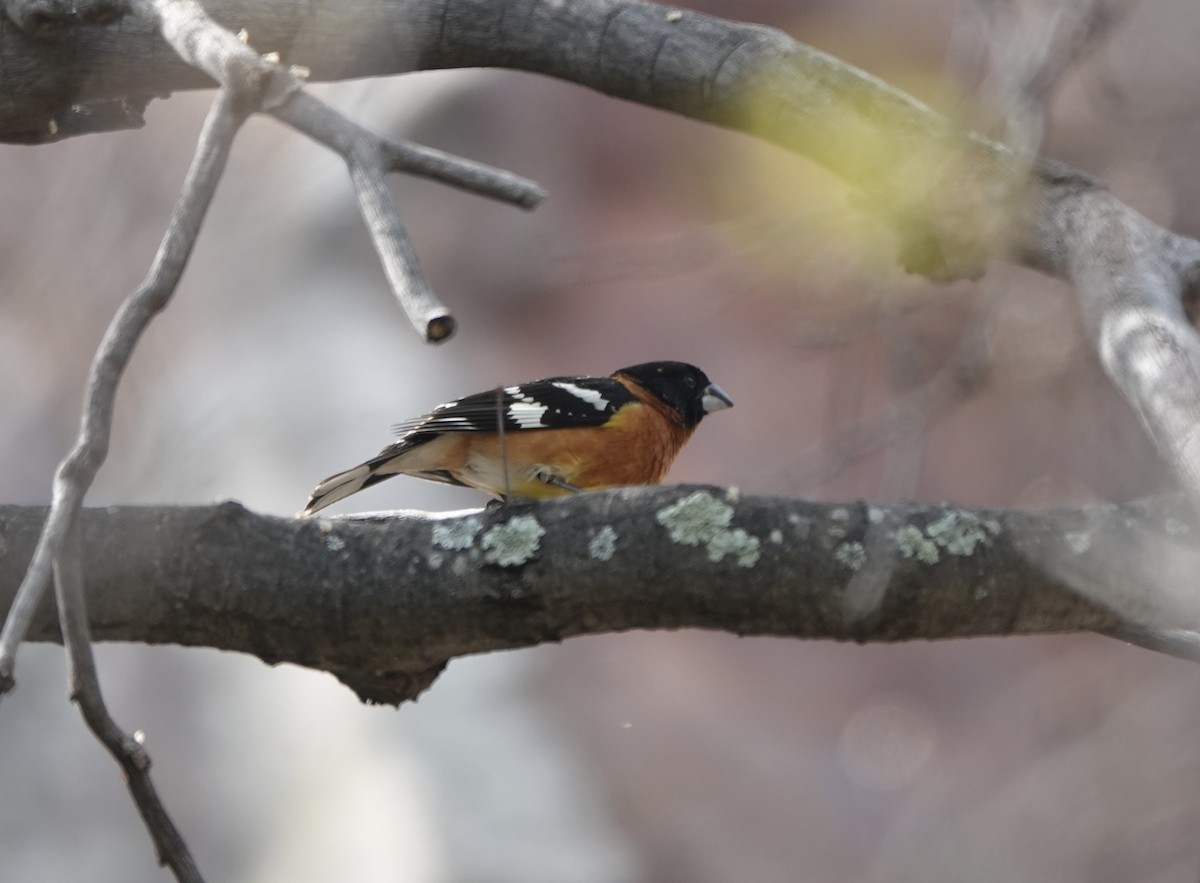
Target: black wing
553 403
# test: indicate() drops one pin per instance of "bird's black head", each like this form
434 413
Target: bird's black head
685 388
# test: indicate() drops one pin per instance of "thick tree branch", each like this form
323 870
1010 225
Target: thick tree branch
384 602
249 82
48 18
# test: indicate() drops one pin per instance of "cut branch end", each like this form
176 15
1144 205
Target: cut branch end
441 328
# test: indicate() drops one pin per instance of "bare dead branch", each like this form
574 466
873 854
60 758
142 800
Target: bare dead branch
415 159
58 545
950 215
671 557
202 42
79 469
368 157
249 82
85 690
954 199
378 207
328 126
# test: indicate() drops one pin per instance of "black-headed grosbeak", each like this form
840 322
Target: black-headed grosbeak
546 438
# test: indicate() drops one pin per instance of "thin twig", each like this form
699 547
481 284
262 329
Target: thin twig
427 314
369 157
77 471
58 546
85 690
329 126
473 177
202 42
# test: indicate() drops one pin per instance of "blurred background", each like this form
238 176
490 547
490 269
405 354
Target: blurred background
644 757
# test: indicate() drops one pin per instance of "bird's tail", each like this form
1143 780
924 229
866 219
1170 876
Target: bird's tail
343 484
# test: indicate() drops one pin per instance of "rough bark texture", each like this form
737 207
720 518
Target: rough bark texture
384 602
953 198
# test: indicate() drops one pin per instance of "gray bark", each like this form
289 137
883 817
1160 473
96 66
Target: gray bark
384 602
954 199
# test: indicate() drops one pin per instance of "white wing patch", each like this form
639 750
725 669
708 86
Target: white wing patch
554 403
524 409
597 401
526 413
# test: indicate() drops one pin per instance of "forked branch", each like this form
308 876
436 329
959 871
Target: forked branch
59 548
249 82
954 199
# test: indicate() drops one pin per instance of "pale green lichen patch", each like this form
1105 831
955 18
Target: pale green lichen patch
603 544
334 543
958 532
514 542
875 515
734 542
851 554
457 535
695 519
700 519
914 544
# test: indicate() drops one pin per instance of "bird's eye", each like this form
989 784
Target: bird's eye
690 380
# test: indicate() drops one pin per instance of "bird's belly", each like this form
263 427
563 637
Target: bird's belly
489 472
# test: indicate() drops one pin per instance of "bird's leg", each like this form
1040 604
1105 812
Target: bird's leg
554 481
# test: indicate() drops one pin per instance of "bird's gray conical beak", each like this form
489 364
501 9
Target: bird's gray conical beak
715 399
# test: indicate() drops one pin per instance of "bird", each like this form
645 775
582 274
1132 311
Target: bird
546 438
